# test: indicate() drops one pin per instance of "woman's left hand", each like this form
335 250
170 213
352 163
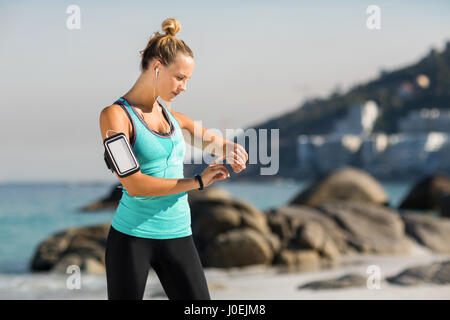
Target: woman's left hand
237 157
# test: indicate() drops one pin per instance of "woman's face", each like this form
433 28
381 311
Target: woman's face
172 79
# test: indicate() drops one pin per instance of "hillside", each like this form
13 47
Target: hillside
396 92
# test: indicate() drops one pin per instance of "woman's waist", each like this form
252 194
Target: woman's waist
154 201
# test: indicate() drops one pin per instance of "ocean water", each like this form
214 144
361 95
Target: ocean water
29 213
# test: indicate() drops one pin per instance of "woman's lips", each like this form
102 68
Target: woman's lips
175 94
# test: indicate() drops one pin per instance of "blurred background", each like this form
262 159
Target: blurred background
351 85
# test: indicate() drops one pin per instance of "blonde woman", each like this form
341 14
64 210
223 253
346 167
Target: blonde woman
151 227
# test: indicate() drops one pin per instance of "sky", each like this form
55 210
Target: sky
254 60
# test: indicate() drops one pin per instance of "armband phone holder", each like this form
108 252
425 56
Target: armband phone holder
119 155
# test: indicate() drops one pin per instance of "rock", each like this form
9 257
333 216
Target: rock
286 220
312 235
280 225
444 205
298 258
432 232
93 266
65 261
369 228
236 248
252 217
87 264
346 281
111 201
211 217
329 249
343 184
436 273
273 241
84 247
340 227
426 194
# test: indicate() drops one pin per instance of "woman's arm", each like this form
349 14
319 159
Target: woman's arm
149 186
206 140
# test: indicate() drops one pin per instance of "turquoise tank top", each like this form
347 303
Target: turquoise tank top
159 155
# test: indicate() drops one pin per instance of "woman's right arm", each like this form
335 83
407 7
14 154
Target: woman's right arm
139 184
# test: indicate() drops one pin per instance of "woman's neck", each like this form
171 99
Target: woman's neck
141 95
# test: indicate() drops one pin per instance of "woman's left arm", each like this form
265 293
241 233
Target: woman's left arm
206 140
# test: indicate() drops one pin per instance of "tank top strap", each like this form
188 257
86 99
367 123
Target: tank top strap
169 115
121 103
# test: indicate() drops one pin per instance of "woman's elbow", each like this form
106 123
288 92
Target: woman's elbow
131 184
132 191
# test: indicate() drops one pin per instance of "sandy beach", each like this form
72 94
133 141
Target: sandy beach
250 283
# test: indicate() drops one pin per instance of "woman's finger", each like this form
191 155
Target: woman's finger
239 160
218 159
223 170
242 154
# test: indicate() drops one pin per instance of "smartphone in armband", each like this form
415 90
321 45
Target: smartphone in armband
119 155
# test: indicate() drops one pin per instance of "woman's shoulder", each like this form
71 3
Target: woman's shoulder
178 116
114 108
115 114
115 111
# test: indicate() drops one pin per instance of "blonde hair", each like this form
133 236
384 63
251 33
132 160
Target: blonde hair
165 47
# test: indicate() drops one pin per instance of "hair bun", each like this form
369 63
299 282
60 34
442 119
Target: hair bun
171 26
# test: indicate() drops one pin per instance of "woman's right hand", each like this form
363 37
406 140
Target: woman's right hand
214 172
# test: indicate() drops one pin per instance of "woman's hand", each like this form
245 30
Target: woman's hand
214 172
237 156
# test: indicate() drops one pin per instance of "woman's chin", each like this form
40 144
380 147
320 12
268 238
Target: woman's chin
169 98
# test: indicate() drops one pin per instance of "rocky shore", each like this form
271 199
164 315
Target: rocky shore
344 213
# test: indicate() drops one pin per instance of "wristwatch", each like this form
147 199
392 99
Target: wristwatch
199 178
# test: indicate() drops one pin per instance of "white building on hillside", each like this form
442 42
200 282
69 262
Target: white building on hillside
359 120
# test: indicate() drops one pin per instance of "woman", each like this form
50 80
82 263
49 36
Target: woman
151 227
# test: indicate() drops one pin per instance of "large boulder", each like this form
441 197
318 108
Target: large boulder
343 184
302 227
312 235
444 205
369 228
427 193
84 247
210 217
340 227
230 232
239 247
430 231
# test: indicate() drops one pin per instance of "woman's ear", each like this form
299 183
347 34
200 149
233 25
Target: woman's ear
156 67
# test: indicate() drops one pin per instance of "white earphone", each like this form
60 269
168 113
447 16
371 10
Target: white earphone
173 145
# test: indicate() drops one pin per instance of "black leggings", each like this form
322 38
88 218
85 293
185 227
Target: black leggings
176 262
